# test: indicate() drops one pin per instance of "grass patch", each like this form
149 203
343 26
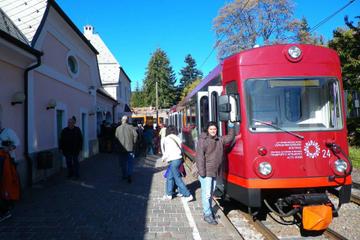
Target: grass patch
355 156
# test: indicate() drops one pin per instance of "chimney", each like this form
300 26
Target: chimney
88 31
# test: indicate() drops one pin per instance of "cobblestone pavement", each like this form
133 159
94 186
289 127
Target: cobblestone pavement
102 206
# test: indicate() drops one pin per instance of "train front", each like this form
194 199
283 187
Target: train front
292 149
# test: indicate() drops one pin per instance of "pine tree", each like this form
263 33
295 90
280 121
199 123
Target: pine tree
160 71
189 73
137 99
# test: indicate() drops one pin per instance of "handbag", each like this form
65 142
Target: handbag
194 170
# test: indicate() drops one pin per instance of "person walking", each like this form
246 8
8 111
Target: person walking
127 136
173 156
209 157
71 143
162 135
9 180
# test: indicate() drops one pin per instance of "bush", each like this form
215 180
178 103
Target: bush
353 126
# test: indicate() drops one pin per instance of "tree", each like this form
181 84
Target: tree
303 34
189 73
244 23
160 71
189 88
137 98
346 42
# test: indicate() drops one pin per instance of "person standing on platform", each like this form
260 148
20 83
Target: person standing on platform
173 156
209 157
10 188
71 143
162 134
127 136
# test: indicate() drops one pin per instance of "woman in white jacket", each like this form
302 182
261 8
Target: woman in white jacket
172 155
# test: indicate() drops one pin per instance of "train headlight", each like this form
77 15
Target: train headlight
341 165
265 168
294 52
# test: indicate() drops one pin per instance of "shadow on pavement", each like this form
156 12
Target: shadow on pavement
98 206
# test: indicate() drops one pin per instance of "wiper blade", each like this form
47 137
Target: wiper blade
279 128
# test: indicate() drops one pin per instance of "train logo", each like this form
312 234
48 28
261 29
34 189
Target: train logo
312 149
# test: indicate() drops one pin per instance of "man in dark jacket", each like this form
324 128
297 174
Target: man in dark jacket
127 136
71 141
209 157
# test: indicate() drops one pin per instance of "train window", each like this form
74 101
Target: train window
193 114
188 116
233 93
293 104
214 106
204 111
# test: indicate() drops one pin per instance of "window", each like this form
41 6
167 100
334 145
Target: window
72 65
204 111
293 104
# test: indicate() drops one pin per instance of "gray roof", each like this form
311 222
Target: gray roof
7 26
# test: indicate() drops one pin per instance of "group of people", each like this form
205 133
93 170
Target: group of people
209 158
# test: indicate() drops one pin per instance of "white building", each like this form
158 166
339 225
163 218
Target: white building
113 77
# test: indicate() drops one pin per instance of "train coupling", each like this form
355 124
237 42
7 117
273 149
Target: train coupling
308 199
316 210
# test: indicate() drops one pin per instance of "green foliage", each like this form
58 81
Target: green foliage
303 35
346 42
189 73
189 88
243 23
355 156
353 126
160 71
137 98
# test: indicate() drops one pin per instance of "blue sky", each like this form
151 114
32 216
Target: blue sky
134 29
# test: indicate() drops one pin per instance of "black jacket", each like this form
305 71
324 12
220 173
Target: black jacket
71 141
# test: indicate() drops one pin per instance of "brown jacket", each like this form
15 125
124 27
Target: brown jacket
210 153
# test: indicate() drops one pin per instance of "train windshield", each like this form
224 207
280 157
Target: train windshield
293 104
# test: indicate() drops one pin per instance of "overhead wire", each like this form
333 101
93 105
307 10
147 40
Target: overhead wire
329 17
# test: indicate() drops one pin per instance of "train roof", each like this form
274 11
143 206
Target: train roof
214 73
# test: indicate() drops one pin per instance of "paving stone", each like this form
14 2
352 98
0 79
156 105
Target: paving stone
103 206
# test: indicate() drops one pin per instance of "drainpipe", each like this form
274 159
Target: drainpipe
26 117
113 111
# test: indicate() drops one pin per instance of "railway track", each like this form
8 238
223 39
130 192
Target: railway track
269 234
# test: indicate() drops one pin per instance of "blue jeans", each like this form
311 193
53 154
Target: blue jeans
127 163
72 164
208 185
174 177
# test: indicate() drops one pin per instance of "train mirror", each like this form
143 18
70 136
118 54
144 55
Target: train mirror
224 108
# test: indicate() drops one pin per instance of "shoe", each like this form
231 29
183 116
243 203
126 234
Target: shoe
5 216
179 195
210 220
166 197
188 198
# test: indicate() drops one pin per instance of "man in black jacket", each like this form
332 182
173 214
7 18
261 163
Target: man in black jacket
71 141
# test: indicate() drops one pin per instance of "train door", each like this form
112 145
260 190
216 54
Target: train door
214 92
202 110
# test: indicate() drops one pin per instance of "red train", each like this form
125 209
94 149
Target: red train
291 147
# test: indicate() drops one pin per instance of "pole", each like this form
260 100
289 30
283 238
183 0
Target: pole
157 104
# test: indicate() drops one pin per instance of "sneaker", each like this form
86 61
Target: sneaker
210 220
179 195
5 216
166 197
188 198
